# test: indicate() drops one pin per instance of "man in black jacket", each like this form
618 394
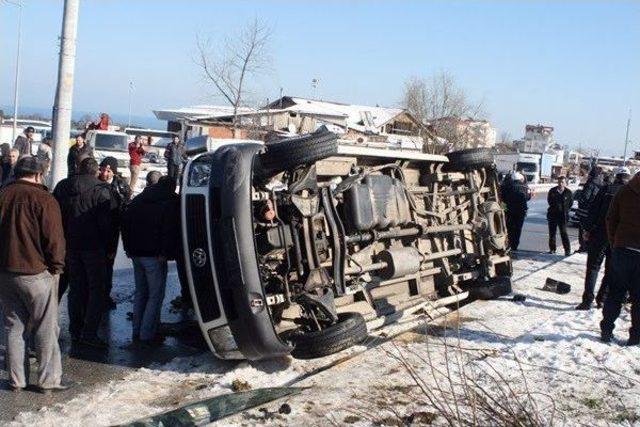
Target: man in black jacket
560 200
86 207
121 196
76 152
150 236
595 237
590 190
174 155
515 194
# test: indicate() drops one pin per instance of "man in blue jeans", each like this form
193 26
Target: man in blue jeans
623 229
150 236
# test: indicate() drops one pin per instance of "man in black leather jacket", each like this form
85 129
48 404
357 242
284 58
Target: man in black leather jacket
560 200
595 236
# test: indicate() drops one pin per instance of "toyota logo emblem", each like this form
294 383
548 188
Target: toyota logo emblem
199 257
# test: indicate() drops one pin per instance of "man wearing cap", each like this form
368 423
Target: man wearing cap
23 142
32 253
597 243
623 230
120 195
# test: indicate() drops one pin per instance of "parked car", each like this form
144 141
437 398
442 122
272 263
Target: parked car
291 247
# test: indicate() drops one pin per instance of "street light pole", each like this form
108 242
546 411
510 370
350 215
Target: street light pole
130 96
16 87
626 140
64 91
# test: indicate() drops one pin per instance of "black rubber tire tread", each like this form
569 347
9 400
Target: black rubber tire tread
350 330
292 152
472 158
498 287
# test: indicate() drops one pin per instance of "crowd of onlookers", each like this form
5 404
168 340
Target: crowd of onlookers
66 240
609 232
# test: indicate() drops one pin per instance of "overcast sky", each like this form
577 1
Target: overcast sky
572 65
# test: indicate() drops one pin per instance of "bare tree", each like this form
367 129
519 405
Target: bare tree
439 102
227 70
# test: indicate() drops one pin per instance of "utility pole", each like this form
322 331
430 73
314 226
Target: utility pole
64 91
626 140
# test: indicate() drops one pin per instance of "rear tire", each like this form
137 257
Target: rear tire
350 330
498 287
472 158
293 152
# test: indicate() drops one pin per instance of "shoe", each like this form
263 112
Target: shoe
153 342
56 389
633 342
583 306
15 388
606 337
94 342
567 253
552 252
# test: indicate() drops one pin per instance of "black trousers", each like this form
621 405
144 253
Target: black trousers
596 252
560 224
108 284
173 170
626 278
87 271
515 221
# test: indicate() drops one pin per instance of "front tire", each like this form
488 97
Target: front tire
349 330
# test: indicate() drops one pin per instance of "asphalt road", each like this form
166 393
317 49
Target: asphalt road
89 368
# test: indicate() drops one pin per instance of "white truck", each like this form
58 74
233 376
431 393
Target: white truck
529 164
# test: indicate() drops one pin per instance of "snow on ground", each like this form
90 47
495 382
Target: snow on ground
538 354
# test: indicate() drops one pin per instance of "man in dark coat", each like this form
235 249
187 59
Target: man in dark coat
515 194
86 206
78 150
24 142
623 230
150 230
560 200
595 237
175 155
587 196
120 195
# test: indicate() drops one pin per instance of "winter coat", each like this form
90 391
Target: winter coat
86 206
590 191
515 195
31 229
150 224
120 196
23 145
559 204
623 218
74 153
175 153
596 219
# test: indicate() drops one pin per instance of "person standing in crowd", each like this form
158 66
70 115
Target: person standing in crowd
120 195
23 142
595 237
136 153
515 195
150 237
79 149
175 155
560 200
8 164
44 156
590 190
86 208
623 229
32 253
